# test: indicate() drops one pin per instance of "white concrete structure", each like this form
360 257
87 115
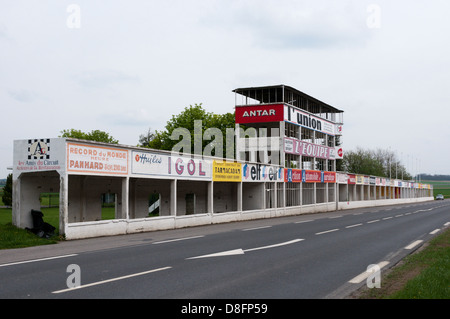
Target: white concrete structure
286 165
192 191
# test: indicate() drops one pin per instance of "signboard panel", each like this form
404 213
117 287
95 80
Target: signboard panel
259 113
342 178
305 119
293 175
328 177
261 173
227 171
298 147
149 163
82 158
38 155
351 179
312 176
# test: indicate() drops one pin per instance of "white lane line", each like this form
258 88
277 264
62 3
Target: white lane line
355 225
413 244
373 221
435 231
304 221
386 218
256 228
333 217
358 279
178 239
399 215
110 280
447 224
327 231
36 260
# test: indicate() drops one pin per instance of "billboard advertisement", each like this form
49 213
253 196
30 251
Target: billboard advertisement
164 165
227 171
261 173
259 113
305 119
83 158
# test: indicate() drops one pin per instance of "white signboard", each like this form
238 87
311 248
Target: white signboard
82 158
302 118
261 173
148 163
37 155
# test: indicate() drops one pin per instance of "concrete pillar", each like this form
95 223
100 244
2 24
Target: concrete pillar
16 218
63 203
209 199
239 197
173 197
125 198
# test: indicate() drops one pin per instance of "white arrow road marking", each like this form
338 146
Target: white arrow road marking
110 280
242 251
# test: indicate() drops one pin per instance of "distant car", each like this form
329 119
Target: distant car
440 196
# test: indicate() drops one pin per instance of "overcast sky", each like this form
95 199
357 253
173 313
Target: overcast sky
126 66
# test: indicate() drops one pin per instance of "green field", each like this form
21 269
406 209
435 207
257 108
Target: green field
440 187
13 237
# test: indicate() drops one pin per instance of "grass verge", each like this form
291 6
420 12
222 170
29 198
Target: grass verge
424 274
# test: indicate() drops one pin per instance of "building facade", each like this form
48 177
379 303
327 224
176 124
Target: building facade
287 144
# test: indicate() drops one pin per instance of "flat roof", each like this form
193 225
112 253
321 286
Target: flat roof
274 93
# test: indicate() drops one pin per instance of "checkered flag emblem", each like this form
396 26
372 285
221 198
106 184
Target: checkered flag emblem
39 149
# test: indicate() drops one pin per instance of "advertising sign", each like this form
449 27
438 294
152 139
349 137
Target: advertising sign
351 179
328 177
305 119
298 147
259 113
342 178
360 179
338 152
312 176
261 173
293 175
227 171
37 155
148 163
82 158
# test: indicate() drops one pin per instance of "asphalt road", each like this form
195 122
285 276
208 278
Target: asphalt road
306 256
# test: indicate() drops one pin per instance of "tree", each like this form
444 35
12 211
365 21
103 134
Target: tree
377 163
194 130
7 191
94 135
146 139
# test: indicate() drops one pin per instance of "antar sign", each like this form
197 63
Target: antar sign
260 113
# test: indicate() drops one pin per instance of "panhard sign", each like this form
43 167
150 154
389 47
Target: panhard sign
149 163
82 158
261 173
227 171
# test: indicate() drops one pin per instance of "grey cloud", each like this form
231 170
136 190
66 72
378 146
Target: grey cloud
104 78
22 95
